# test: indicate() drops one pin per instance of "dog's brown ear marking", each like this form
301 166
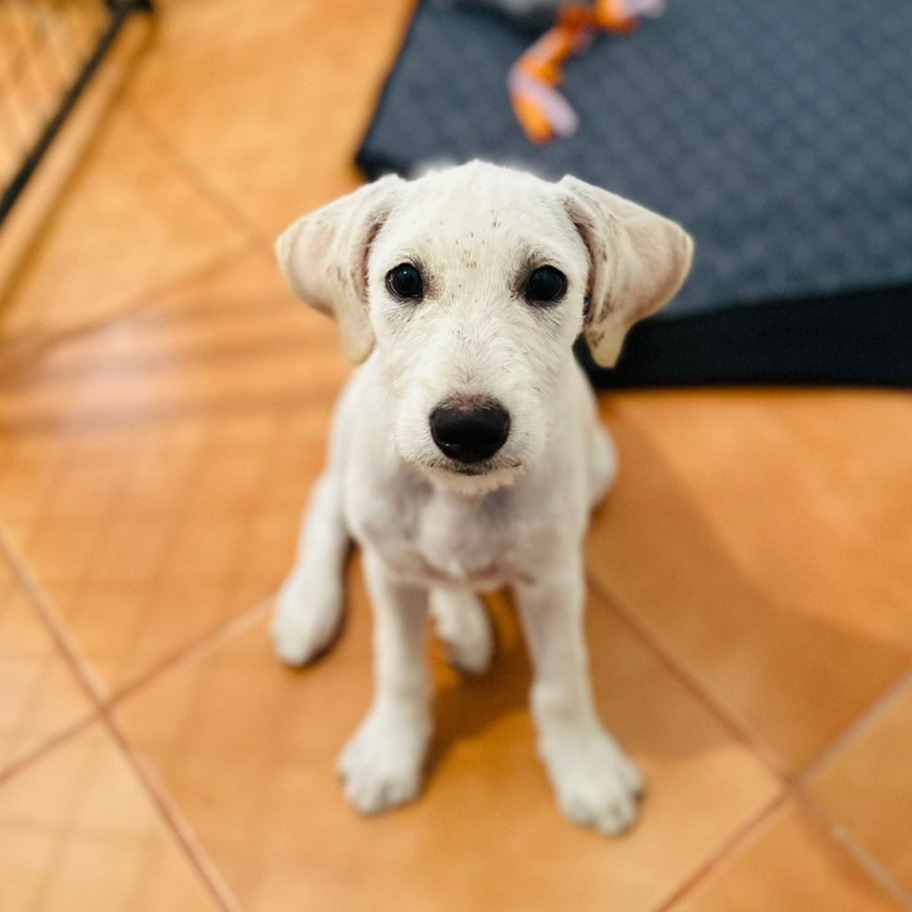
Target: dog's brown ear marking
638 262
324 257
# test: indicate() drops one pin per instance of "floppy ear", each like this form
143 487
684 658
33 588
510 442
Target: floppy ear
324 258
638 263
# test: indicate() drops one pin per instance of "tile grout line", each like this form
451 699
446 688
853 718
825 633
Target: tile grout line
856 728
221 630
59 631
48 744
193 652
726 850
86 717
166 148
843 836
65 831
768 756
200 642
169 813
41 341
119 364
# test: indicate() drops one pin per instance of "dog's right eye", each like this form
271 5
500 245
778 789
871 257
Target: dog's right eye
546 285
404 281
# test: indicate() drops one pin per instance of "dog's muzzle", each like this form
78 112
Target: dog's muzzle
470 431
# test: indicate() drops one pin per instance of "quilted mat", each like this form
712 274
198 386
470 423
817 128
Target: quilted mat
779 133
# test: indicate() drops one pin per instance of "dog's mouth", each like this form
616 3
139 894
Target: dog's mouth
474 469
474 478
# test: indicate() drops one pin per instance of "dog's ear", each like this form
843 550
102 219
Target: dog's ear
324 258
638 261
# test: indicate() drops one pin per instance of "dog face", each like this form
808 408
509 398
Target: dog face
476 288
470 286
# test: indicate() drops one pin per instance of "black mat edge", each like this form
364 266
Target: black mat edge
860 338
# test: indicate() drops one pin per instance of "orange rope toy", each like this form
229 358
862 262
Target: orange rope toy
540 109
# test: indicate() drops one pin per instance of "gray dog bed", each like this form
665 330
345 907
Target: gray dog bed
779 133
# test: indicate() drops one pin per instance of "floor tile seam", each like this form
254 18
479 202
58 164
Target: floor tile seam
49 744
771 758
27 709
46 609
32 581
842 835
177 521
170 150
857 728
200 465
167 809
63 832
210 639
764 752
726 850
189 654
173 522
193 652
38 342
45 514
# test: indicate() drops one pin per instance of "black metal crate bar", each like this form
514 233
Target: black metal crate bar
49 52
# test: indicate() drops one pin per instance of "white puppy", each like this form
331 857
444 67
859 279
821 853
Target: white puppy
466 453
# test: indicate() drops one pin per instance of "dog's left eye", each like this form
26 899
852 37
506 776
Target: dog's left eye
545 285
404 281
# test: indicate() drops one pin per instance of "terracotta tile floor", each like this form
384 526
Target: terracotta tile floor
163 410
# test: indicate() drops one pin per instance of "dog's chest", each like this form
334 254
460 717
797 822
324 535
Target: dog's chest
464 540
434 538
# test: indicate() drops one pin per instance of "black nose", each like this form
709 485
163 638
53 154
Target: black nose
470 432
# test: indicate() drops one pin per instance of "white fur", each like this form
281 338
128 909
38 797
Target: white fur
425 528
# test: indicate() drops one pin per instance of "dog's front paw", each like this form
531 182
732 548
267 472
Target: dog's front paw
307 616
596 785
381 765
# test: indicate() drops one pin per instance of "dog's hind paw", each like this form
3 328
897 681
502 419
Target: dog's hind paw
464 628
381 765
306 619
596 785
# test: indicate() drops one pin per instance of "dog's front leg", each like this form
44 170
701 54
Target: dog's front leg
596 784
308 609
382 763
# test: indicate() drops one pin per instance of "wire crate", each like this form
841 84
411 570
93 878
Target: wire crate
49 52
